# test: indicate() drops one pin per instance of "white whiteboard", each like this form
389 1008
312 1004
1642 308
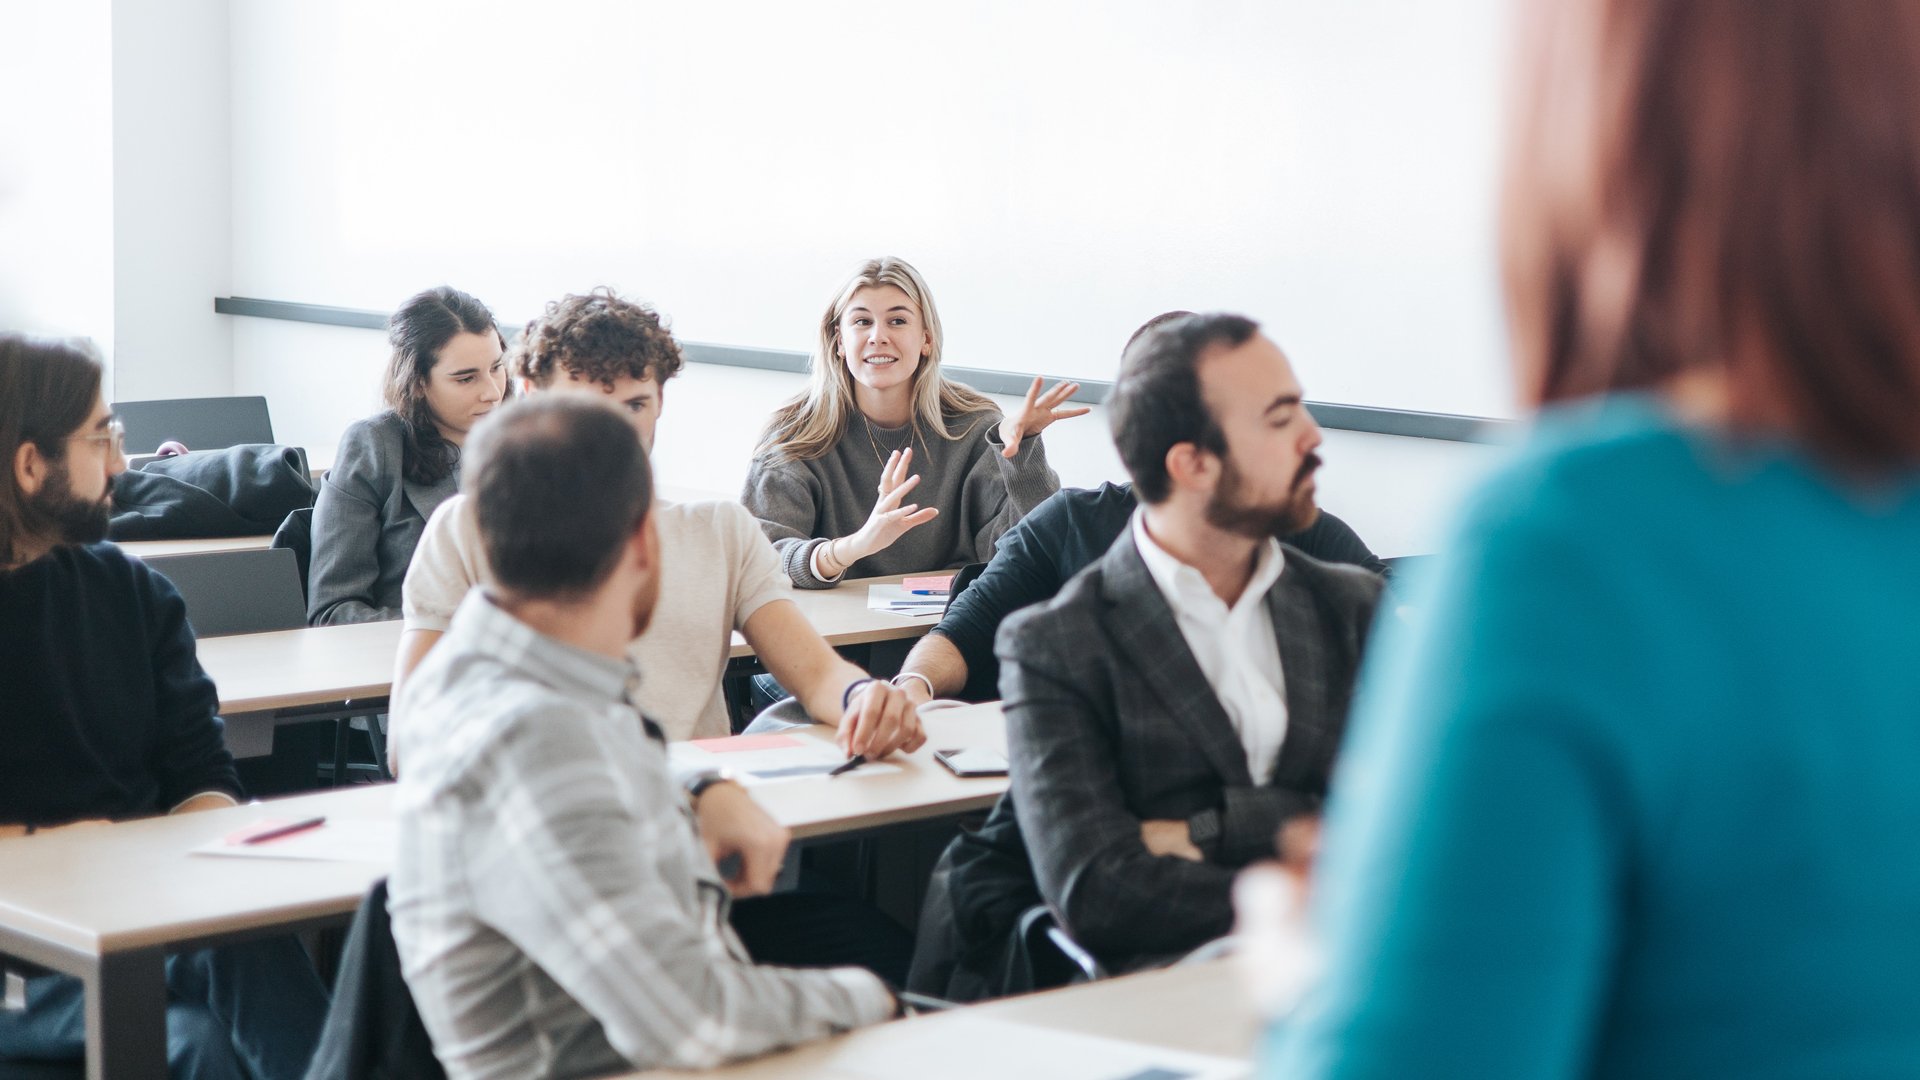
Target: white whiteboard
1059 171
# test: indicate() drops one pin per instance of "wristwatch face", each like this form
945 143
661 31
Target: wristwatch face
706 780
1203 829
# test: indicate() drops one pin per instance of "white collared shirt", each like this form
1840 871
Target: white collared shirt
1235 646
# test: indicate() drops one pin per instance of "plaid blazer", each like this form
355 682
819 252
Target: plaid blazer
1110 722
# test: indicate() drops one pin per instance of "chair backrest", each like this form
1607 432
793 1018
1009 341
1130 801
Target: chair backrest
296 535
213 423
237 592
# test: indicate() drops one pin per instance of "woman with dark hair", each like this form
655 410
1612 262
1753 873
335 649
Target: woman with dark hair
1634 793
393 469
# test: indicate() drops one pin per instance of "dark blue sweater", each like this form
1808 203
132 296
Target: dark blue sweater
104 710
1059 539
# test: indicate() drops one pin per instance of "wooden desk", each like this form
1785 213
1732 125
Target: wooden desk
841 616
148 549
326 664
289 669
107 904
1196 1008
923 788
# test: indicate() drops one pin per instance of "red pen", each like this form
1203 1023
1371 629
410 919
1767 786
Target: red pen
285 830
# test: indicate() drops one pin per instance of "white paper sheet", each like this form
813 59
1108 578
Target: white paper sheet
342 840
898 601
963 1047
807 761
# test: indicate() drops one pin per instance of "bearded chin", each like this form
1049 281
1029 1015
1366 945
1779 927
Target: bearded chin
71 520
88 523
1227 513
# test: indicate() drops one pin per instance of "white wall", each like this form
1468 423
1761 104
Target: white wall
1327 168
172 198
56 170
1060 170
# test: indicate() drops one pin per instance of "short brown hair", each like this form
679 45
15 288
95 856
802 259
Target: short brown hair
1730 185
1157 404
559 484
47 391
598 337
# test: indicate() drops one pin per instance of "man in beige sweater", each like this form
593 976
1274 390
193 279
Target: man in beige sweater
721 572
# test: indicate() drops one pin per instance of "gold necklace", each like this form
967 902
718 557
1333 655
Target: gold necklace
875 443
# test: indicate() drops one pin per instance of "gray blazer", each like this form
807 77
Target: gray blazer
1110 722
366 524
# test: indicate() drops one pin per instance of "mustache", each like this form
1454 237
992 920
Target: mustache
1307 468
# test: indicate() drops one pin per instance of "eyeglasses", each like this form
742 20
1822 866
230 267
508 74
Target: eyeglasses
115 438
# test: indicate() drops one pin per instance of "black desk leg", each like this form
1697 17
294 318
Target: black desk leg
127 1016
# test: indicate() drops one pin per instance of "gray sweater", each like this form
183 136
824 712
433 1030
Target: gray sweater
803 504
366 523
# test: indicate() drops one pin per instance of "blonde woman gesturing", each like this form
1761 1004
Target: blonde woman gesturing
883 466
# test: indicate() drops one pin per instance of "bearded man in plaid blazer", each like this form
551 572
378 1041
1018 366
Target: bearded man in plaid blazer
1183 697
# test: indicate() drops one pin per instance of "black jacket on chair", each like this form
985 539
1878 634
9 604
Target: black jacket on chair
373 1030
240 491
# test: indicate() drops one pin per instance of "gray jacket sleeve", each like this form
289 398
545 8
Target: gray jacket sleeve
1001 490
344 571
785 496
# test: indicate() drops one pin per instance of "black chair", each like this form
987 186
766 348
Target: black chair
238 592
296 535
251 592
43 1070
373 1028
199 423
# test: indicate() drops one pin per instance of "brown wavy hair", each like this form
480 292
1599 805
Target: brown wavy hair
418 331
1724 185
598 337
47 391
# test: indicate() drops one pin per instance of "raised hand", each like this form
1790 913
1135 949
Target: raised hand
1037 412
889 520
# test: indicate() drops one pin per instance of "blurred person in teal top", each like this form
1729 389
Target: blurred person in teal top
1634 793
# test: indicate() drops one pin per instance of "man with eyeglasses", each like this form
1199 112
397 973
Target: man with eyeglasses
107 716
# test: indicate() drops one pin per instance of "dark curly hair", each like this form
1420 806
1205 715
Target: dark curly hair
418 331
598 337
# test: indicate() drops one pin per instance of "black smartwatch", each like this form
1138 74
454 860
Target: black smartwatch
1203 829
698 784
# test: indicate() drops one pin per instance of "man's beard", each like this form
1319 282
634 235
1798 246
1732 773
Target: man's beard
68 519
1227 512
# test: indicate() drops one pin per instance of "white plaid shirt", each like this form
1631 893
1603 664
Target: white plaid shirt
555 910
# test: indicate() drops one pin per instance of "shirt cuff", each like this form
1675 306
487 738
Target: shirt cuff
872 1001
227 795
813 563
422 620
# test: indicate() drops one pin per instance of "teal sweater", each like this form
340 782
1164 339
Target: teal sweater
1637 791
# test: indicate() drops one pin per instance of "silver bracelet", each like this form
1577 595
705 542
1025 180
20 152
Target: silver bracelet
924 681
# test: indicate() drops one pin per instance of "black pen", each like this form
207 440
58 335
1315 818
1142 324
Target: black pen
285 830
853 763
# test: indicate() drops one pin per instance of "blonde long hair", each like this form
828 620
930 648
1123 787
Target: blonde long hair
811 424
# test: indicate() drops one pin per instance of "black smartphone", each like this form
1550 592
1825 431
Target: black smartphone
976 762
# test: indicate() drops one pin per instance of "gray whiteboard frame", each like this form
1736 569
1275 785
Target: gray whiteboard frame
1408 423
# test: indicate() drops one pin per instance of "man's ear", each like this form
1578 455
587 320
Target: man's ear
1190 466
643 547
30 468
